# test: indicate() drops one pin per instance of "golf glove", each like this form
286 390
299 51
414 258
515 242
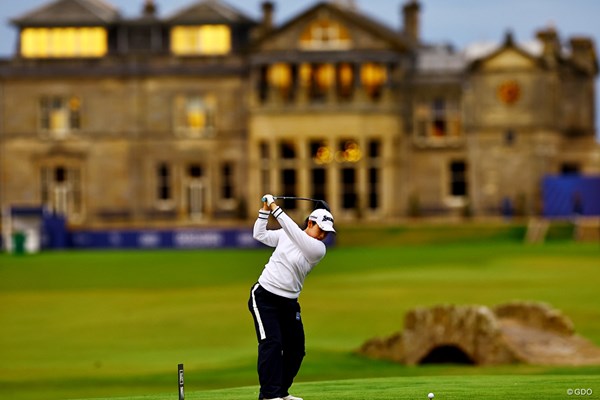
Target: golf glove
269 199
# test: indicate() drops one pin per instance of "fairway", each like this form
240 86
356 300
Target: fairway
117 323
515 387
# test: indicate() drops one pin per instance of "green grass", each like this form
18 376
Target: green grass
515 387
117 323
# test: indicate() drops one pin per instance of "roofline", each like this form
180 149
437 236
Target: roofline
20 21
399 35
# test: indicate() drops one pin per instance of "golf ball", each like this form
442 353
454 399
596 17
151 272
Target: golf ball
431 395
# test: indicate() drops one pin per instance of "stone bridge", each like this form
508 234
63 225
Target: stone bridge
532 333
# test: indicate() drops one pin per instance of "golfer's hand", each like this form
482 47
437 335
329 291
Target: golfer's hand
268 199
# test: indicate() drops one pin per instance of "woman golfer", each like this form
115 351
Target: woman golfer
274 299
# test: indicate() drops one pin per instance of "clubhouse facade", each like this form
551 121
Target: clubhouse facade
187 119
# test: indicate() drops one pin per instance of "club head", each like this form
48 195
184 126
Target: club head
322 204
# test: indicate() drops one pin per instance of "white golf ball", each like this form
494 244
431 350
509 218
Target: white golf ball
431 395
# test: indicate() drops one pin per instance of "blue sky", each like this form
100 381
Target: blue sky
457 22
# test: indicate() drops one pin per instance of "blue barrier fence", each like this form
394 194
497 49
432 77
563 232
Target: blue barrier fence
54 234
566 196
163 239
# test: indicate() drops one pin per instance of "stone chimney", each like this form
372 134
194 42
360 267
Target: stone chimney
268 9
149 9
550 45
410 17
583 54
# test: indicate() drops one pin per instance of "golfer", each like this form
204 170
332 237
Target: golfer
274 299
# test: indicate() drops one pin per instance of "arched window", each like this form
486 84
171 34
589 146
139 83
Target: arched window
373 77
280 77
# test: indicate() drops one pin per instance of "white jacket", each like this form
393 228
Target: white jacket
295 255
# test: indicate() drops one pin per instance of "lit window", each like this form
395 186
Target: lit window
317 79
60 115
349 152
438 120
345 80
201 40
373 77
321 154
325 74
324 34
195 115
65 42
280 77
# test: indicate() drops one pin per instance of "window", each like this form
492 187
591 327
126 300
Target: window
325 34
345 81
349 151
227 181
195 171
265 171
61 190
163 177
509 137
200 40
195 115
439 117
63 42
438 120
264 151
320 152
373 188
317 78
60 115
288 184
374 173
374 149
288 151
373 76
458 178
319 183
349 194
280 78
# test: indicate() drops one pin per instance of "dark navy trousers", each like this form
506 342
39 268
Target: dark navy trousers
280 335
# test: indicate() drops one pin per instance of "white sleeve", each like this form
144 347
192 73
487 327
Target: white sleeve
260 232
313 249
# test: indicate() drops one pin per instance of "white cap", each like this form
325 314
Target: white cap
323 218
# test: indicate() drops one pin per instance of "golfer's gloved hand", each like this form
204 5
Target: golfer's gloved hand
269 199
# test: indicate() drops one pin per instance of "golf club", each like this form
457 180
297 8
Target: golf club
318 203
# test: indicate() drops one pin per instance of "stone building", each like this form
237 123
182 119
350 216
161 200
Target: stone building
188 119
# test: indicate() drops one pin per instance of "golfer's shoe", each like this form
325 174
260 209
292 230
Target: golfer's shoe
290 397
274 398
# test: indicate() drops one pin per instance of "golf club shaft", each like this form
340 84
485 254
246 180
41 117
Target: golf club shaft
294 198
320 203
